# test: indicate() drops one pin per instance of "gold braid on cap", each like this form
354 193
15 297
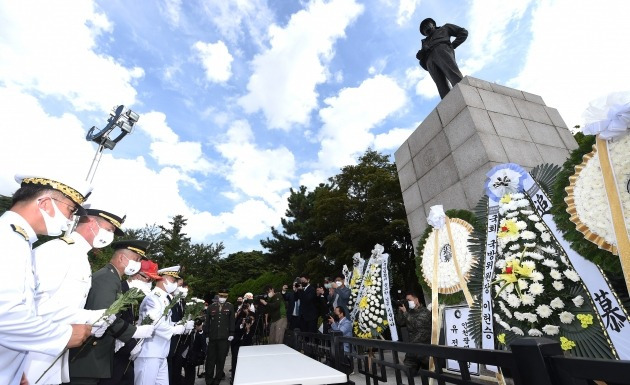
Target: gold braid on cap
171 273
114 222
66 190
137 250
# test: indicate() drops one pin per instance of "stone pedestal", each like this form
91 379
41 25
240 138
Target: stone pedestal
475 127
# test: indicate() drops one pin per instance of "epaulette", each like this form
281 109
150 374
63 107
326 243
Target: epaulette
20 231
68 240
158 294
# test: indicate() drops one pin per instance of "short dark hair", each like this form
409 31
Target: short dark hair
412 293
342 311
305 275
29 192
341 276
267 288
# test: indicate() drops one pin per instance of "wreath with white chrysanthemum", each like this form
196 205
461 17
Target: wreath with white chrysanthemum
586 199
371 319
448 279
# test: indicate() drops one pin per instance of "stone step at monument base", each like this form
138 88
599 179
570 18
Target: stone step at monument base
475 127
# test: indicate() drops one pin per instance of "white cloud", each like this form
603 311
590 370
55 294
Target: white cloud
167 149
406 9
216 60
286 75
351 115
392 139
580 65
488 27
49 47
236 17
171 9
258 173
421 81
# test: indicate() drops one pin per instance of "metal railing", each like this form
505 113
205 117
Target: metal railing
538 361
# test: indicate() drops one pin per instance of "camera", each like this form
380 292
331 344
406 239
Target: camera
400 302
249 320
332 315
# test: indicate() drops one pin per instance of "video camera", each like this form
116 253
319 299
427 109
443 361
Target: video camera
399 300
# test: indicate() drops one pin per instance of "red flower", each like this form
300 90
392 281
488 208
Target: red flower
508 270
504 228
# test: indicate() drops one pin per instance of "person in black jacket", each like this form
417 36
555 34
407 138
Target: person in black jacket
308 309
174 359
194 353
437 54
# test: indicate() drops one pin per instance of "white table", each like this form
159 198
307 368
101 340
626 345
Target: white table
281 365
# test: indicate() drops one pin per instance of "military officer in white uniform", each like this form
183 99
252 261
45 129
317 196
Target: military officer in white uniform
151 367
41 206
65 277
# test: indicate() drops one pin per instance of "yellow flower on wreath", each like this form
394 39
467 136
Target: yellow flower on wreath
585 319
508 228
566 344
507 198
368 281
501 338
364 303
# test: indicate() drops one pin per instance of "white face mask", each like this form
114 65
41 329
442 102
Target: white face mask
339 283
412 304
144 287
222 300
55 225
102 238
169 286
132 267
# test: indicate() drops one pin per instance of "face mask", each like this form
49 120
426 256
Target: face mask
170 287
339 283
412 304
144 287
222 300
327 285
132 267
54 225
102 238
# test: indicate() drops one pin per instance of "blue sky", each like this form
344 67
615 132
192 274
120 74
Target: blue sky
241 100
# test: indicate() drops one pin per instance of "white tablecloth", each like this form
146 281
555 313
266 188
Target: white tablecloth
275 365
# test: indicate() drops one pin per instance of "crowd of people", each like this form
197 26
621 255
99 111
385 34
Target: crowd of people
59 322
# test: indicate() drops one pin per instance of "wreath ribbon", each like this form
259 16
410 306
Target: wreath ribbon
460 275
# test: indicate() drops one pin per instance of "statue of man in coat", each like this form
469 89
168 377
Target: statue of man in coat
437 54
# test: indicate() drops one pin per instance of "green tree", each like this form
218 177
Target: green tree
172 246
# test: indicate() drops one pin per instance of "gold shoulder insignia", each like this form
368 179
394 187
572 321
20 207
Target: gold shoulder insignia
20 231
158 294
68 240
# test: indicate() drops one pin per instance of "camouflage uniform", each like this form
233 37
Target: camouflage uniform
418 322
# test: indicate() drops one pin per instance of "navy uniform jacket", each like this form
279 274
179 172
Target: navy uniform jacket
96 359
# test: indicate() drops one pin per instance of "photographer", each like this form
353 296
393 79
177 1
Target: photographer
340 323
195 352
277 322
241 317
339 293
292 305
418 322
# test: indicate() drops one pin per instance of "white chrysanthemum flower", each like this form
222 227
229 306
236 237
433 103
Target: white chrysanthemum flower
555 274
379 320
500 264
537 276
515 247
550 263
536 288
529 264
512 214
578 301
519 316
551 330
557 303
540 227
566 317
547 249
523 284
558 285
533 218
505 325
527 299
572 275
527 212
497 317
517 331
530 317
543 311
534 255
534 333
513 301
521 225
505 310
509 288
528 235
546 237
517 196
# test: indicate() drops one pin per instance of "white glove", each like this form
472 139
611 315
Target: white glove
136 350
98 331
118 344
189 326
143 331
230 338
179 329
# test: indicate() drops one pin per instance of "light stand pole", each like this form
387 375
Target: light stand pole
118 117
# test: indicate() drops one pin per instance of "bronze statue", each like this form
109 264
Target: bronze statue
437 55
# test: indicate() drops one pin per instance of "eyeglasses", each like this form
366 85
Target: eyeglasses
144 277
72 208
